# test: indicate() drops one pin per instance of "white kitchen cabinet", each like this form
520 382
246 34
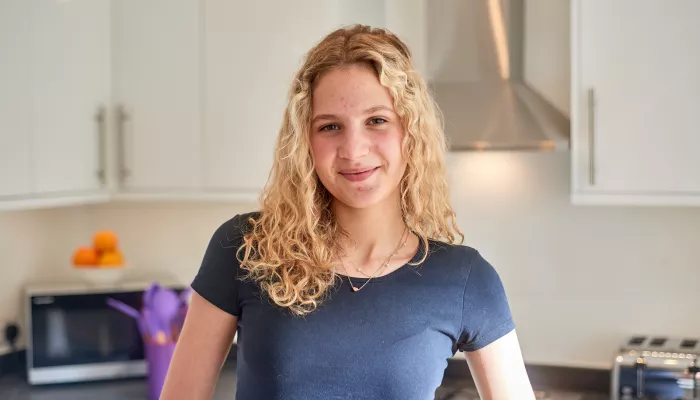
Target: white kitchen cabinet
16 174
56 85
249 67
407 19
635 102
156 87
70 57
176 99
251 51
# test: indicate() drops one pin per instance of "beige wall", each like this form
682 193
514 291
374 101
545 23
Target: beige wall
157 239
28 240
578 278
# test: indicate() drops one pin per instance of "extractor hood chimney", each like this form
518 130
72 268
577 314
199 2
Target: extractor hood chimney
476 52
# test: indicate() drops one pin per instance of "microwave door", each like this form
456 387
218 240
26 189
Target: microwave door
82 330
57 344
74 335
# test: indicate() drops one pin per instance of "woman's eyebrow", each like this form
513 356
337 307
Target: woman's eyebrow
323 117
378 108
370 110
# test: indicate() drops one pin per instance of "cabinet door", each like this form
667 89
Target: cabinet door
636 97
16 174
251 52
156 87
407 19
70 85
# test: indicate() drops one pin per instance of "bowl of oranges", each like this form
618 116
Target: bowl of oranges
102 262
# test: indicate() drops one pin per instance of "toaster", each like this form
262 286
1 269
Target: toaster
656 367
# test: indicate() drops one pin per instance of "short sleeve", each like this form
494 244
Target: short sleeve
486 314
217 279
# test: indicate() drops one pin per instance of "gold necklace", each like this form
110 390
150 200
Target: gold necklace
401 244
383 265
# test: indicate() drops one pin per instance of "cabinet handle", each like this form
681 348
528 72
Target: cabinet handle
102 162
122 117
591 136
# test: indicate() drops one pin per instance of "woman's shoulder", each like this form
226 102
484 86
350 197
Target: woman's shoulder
228 236
219 273
451 253
463 257
240 223
236 227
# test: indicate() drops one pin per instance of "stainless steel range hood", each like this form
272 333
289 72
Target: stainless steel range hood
476 52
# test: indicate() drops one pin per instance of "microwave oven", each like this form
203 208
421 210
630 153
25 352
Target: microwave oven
74 336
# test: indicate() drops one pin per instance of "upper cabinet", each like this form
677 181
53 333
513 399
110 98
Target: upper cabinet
184 99
249 67
635 99
408 20
156 78
53 102
16 173
70 71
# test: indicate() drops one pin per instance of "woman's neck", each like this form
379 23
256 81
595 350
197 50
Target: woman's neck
372 232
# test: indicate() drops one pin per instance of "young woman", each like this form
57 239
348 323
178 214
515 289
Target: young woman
347 284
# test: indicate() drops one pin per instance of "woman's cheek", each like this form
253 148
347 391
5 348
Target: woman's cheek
322 151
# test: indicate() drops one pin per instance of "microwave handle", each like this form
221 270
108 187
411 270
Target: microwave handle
693 370
639 366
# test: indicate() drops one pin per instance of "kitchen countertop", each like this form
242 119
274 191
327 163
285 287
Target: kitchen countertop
13 388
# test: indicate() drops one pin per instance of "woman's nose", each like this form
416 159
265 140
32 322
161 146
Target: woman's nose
356 143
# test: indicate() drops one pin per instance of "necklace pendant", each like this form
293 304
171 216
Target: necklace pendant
354 289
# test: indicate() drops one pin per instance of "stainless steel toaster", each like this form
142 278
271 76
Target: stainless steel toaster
656 367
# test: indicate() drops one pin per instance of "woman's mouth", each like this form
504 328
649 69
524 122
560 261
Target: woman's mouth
358 175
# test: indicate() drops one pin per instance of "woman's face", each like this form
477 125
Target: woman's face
356 137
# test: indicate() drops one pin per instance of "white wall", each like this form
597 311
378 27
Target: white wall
32 243
157 239
578 278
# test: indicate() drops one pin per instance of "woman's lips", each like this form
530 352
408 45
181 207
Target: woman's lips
358 176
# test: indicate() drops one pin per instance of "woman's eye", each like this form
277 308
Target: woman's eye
375 121
329 127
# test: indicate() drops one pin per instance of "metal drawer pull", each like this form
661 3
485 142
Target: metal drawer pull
102 161
122 117
591 136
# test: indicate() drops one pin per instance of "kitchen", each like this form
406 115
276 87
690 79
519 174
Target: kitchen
596 240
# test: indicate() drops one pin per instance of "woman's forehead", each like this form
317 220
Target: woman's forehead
352 89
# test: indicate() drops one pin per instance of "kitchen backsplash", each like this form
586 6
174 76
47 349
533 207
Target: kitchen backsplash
578 278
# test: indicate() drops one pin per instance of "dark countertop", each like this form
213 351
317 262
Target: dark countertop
14 388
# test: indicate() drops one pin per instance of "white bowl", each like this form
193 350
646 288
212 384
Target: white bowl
102 275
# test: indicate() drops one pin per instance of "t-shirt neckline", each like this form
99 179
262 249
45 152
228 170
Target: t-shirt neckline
398 271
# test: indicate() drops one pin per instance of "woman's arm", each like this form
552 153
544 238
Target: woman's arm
203 345
499 371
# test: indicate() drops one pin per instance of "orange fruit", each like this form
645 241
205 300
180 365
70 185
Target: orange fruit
111 259
85 256
105 241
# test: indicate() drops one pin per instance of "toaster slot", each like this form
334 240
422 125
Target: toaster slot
636 340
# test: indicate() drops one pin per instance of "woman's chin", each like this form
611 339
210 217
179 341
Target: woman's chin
361 199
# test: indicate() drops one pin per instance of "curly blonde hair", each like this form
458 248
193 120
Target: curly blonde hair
292 244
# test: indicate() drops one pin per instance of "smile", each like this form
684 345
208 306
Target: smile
358 175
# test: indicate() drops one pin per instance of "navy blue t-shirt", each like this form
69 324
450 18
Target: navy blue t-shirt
390 340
